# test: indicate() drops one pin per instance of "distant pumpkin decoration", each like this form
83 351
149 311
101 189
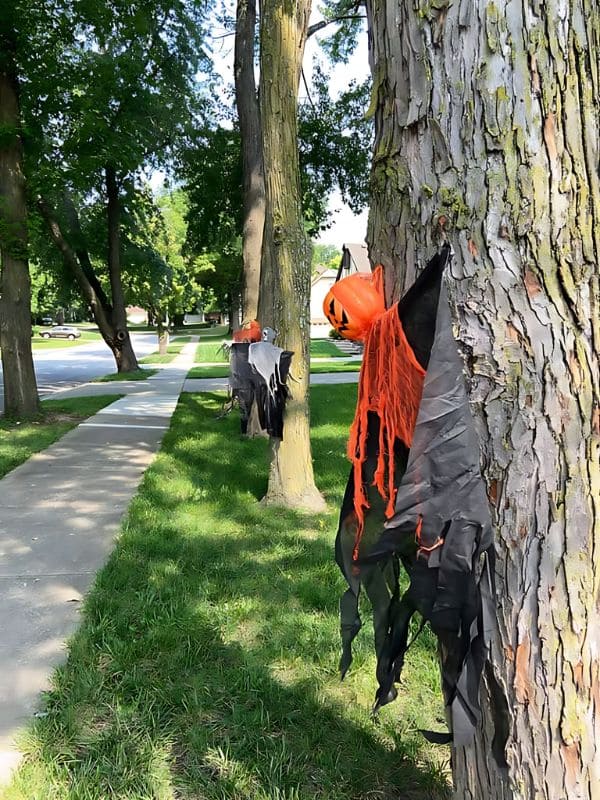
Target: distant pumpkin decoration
249 332
354 303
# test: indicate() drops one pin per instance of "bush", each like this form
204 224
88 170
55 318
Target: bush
333 334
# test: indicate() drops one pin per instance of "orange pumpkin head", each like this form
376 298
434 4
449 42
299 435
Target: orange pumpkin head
249 332
353 304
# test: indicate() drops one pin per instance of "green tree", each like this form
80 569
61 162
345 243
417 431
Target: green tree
348 17
334 146
335 140
212 175
130 88
325 255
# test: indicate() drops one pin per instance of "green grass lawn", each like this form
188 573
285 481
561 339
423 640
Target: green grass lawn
173 351
222 370
209 352
324 348
205 667
218 332
134 375
53 344
18 441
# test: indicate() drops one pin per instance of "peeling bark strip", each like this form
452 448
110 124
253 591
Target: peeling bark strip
284 305
20 387
487 134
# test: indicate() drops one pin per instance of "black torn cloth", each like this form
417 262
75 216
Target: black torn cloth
258 372
438 482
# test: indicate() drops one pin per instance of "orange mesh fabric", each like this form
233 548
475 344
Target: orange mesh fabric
390 385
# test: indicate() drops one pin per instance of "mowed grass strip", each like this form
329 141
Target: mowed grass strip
134 375
320 367
320 348
20 440
173 350
213 352
206 665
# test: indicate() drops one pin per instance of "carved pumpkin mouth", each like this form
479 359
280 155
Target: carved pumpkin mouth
354 303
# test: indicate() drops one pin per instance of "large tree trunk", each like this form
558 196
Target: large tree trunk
124 353
252 158
487 133
20 388
282 37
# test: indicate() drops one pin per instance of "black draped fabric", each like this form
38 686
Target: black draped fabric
439 491
247 384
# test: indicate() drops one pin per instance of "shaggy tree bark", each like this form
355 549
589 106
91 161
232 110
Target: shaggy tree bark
282 37
252 160
487 133
20 387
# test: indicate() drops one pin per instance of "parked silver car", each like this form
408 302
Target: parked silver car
61 332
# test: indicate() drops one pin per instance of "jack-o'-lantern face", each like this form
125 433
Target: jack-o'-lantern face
352 305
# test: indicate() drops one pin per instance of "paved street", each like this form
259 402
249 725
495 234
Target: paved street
70 366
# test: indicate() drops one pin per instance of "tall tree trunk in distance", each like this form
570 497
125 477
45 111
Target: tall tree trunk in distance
20 387
124 353
487 131
252 159
235 311
282 37
162 330
77 261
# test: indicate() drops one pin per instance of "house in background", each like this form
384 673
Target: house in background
136 315
354 259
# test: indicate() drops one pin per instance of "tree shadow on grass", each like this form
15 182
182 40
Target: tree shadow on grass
206 665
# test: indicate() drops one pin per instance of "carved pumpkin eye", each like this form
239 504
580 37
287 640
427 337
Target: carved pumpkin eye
352 305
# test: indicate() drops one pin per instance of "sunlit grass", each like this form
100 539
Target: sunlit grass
134 375
213 352
173 350
324 347
206 664
320 367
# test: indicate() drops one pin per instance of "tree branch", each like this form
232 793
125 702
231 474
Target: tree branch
318 26
101 314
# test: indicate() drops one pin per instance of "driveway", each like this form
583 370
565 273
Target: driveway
70 366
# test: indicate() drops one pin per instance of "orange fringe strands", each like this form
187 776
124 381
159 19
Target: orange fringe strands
390 385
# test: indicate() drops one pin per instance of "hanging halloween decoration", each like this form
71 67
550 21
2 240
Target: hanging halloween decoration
415 497
249 332
258 372
352 304
269 335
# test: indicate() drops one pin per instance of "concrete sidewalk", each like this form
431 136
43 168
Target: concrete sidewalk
59 513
